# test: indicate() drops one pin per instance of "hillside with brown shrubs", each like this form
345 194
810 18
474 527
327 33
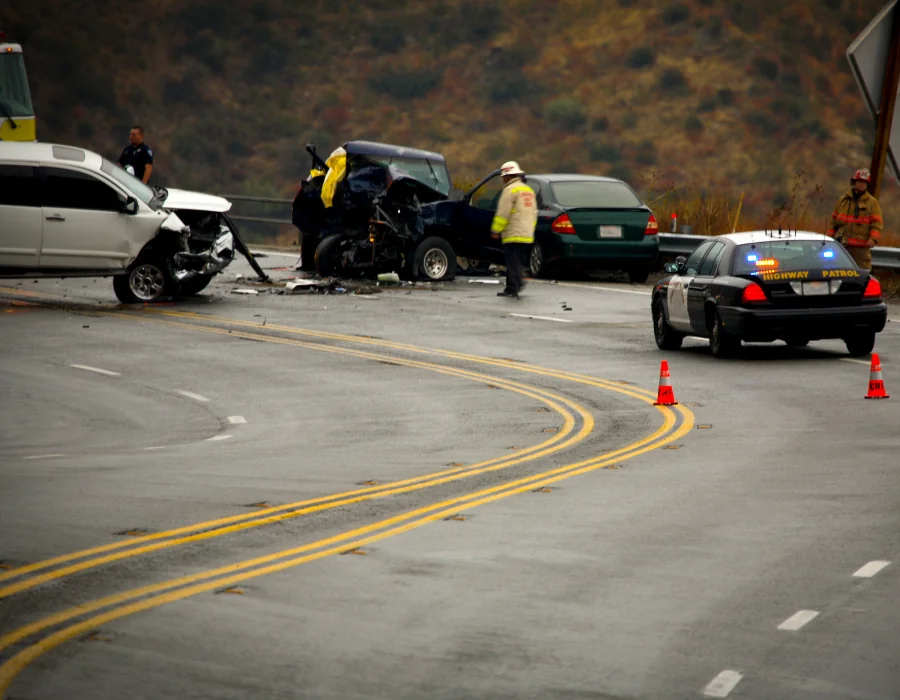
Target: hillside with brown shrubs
697 103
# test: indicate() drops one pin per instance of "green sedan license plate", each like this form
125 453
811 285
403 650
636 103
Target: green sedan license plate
609 231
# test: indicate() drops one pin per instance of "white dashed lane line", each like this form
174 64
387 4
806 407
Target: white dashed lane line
236 420
867 363
870 569
192 395
722 685
798 620
97 370
543 318
217 438
605 289
44 456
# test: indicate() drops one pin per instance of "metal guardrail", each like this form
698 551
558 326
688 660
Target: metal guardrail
258 200
669 243
684 244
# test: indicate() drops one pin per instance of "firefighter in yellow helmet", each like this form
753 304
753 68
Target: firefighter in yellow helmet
514 222
856 222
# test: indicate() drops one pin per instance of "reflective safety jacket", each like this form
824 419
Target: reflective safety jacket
516 215
857 220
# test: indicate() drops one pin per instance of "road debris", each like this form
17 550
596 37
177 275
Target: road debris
389 278
244 290
484 281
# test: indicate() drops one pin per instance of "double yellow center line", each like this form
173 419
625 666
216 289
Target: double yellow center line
120 605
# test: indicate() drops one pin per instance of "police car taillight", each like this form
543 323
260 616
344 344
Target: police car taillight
873 289
753 293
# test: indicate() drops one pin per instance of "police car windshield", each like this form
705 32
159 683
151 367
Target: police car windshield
130 183
770 256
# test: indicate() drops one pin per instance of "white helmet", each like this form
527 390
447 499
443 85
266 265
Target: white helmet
510 167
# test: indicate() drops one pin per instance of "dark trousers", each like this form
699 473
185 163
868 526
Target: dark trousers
515 267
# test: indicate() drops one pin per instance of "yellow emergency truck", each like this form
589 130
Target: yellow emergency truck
17 122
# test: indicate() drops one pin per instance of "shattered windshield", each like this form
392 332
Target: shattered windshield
432 173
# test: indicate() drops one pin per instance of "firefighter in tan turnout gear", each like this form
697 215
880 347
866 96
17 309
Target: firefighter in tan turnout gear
514 222
856 222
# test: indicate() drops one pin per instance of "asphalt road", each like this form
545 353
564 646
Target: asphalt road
435 494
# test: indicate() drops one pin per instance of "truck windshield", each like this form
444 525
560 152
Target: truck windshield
15 97
432 173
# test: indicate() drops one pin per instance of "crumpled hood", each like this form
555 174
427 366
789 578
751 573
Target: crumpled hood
195 201
402 184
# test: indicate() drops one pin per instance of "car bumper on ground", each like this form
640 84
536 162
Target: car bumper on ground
812 324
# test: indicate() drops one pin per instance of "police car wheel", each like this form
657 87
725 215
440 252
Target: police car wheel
667 338
861 344
721 343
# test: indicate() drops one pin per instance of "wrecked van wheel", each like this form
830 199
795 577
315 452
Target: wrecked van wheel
434 260
147 280
195 285
328 256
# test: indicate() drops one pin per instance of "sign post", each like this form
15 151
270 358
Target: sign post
886 109
874 58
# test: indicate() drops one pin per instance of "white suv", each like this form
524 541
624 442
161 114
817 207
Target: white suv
68 212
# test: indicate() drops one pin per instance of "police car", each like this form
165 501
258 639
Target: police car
762 286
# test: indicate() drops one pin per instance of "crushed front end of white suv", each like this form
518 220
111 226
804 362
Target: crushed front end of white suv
68 212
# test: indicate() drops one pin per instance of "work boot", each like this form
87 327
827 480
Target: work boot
507 293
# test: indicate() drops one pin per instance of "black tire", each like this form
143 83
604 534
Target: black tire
537 264
328 256
148 279
638 275
860 344
667 338
721 342
308 246
195 285
797 342
434 260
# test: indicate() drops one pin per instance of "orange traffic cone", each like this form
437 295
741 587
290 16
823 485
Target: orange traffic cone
876 383
665 396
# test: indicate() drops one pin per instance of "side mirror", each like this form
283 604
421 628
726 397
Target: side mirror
131 206
456 195
671 268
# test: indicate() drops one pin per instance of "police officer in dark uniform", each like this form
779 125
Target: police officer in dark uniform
138 155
